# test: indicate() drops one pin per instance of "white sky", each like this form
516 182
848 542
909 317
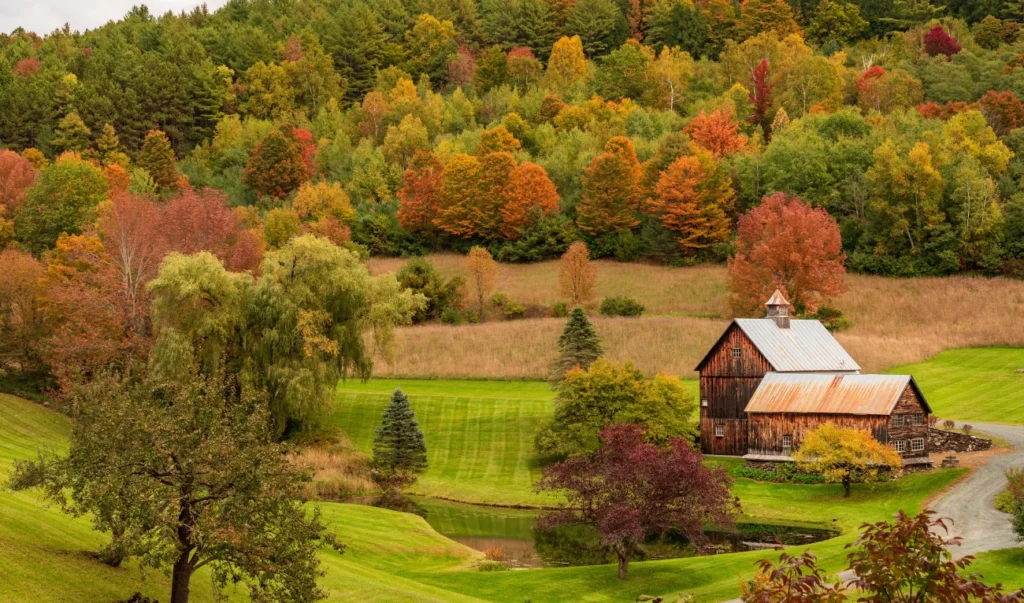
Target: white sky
43 16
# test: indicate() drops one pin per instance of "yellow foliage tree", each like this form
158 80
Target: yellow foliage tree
567 64
845 456
483 271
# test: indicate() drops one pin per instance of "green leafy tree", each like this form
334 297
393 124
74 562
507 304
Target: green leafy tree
185 476
398 445
157 158
606 393
420 276
431 46
578 346
599 24
624 72
836 22
64 199
71 134
280 225
406 139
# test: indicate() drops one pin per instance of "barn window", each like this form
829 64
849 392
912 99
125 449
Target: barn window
736 353
704 402
787 445
917 445
897 421
719 431
901 445
917 420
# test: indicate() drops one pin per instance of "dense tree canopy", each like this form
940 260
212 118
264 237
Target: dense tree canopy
478 122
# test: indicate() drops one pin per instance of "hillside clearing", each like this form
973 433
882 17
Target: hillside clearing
894 321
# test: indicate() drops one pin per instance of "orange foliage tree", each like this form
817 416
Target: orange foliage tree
718 132
22 320
577 275
418 197
496 140
611 189
693 199
787 244
458 194
529 196
483 271
16 176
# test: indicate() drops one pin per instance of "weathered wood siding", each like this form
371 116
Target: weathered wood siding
765 431
733 441
727 383
908 406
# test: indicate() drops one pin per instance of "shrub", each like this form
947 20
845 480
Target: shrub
967 429
621 305
510 309
948 425
452 316
785 473
832 318
491 566
420 276
560 310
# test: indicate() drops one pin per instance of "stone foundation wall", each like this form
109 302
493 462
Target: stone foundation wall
940 440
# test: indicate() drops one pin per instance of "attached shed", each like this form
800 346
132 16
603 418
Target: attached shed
786 407
749 349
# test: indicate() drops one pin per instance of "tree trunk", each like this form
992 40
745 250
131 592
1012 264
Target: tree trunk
846 487
180 579
623 566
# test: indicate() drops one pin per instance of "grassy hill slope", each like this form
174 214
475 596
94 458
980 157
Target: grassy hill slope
976 384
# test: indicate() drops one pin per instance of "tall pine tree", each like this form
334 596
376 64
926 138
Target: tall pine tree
578 345
398 443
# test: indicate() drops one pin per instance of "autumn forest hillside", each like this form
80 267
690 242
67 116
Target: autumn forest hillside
643 127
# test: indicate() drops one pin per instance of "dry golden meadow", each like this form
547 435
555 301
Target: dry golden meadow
894 321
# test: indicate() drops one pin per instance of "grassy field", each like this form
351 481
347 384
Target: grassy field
973 384
894 321
1004 567
46 556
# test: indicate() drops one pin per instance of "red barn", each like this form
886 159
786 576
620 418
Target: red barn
767 381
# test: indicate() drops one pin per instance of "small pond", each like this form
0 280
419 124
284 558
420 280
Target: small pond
508 535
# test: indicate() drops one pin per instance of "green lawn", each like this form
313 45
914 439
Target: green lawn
480 438
1005 567
973 384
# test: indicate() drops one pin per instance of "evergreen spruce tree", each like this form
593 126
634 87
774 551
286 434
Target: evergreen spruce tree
578 345
398 443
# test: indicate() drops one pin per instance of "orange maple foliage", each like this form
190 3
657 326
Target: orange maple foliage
483 272
529 196
22 320
693 199
496 140
787 244
611 189
472 194
577 275
16 176
717 132
418 197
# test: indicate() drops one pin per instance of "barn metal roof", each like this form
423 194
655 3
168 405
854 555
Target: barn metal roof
842 394
806 346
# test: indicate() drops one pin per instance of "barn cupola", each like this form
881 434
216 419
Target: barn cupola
778 309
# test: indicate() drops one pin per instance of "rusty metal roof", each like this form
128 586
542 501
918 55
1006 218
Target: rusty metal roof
806 346
842 394
777 299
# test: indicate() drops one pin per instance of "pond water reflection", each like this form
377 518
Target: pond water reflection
508 535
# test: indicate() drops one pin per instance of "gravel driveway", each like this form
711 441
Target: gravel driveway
971 502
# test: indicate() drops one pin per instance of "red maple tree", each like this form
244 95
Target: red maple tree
761 97
631 489
938 41
785 243
529 196
1004 111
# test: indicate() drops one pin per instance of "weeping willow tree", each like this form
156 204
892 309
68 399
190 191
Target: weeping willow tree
291 334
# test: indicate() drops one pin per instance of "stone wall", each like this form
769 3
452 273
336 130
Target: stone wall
940 440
